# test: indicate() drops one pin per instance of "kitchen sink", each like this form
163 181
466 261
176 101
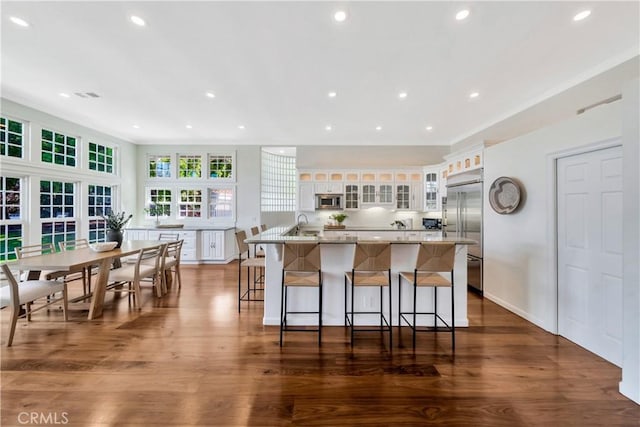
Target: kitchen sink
302 232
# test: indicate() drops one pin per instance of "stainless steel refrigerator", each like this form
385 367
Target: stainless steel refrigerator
464 219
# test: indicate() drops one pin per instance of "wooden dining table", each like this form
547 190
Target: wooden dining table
80 258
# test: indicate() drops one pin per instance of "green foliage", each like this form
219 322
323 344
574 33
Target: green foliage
339 217
116 221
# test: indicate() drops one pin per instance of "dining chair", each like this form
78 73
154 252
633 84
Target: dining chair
434 262
371 268
37 250
85 274
170 264
168 236
249 263
301 268
147 266
15 294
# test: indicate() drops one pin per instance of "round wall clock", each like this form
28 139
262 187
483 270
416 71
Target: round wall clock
504 195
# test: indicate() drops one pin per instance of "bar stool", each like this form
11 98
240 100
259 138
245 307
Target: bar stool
258 252
249 262
371 268
300 268
433 258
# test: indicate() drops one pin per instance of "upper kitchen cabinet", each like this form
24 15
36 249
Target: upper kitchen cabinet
377 188
462 162
408 187
432 198
329 182
306 196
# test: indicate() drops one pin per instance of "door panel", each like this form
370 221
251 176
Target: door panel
590 251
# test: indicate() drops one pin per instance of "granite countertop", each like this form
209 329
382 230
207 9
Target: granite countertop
279 235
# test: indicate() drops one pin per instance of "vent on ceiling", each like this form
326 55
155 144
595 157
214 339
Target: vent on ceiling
87 94
597 104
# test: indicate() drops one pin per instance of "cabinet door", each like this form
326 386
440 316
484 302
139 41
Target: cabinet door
431 190
368 194
213 245
352 196
403 196
328 188
306 197
136 235
385 194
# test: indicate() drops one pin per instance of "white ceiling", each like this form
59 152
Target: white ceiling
272 64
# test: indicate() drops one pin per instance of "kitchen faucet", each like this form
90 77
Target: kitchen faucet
306 220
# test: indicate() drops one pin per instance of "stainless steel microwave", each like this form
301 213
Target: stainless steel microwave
328 201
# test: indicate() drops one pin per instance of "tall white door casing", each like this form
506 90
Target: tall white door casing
590 251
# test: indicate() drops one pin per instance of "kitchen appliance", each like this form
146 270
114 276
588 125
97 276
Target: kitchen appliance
432 223
328 201
464 219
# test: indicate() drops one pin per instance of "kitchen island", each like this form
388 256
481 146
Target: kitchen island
337 251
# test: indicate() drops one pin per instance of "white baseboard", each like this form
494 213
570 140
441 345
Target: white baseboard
526 316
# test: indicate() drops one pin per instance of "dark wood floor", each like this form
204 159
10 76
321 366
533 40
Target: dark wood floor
190 359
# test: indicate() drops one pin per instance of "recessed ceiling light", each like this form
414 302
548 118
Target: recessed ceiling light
19 21
137 20
64 95
136 127
474 95
328 127
340 16
189 127
429 128
463 14
210 95
402 95
582 15
378 127
241 127
332 94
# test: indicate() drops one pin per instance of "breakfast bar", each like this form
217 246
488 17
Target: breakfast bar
337 251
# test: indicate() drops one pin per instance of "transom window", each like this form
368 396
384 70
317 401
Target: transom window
11 137
221 167
189 166
100 158
58 149
221 202
159 166
190 204
160 201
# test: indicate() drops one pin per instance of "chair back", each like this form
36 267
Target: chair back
8 279
436 256
34 250
263 227
254 231
168 236
71 245
372 257
243 247
172 251
301 257
152 254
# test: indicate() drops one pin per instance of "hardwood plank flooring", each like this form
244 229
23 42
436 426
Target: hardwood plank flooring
190 359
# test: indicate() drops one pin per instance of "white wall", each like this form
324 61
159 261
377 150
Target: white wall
33 169
630 385
340 157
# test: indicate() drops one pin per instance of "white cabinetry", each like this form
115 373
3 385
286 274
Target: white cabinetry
329 188
135 234
306 197
351 196
212 245
432 189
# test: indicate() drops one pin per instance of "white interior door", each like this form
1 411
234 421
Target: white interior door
590 251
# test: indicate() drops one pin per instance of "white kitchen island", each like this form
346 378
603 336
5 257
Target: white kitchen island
337 258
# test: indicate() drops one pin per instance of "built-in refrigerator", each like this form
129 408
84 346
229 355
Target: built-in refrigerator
463 212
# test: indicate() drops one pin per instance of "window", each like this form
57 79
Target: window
99 203
57 201
11 137
221 167
100 158
160 198
159 166
190 204
10 227
58 148
189 166
221 203
278 193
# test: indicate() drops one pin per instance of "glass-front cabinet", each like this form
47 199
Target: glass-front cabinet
431 190
351 196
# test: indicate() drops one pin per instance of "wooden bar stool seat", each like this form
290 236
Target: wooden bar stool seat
433 259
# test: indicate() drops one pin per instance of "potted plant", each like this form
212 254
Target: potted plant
154 210
115 224
339 217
